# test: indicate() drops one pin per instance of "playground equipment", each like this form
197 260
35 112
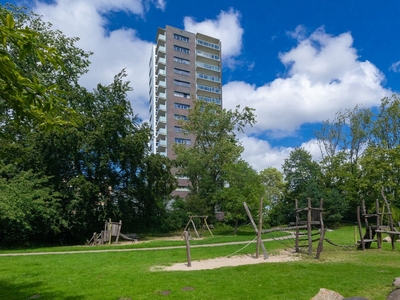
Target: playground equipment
314 219
203 220
111 229
378 228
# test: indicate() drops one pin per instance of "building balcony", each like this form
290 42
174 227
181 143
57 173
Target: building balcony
208 44
208 55
208 88
161 143
161 132
161 60
208 67
161 120
209 99
209 77
162 83
161 73
161 95
162 107
161 37
160 49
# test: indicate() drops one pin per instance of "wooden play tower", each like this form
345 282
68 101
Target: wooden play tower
376 224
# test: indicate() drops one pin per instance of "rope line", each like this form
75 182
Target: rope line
337 245
242 247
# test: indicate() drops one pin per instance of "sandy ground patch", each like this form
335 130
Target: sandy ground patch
232 261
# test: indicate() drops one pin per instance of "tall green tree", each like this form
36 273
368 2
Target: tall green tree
241 184
303 176
274 192
386 129
216 146
26 54
380 169
29 208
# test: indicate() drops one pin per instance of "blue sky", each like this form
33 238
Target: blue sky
296 62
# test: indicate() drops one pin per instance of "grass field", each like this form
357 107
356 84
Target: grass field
127 275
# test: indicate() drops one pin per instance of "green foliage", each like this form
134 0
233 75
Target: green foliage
29 209
300 171
99 167
242 184
272 179
386 129
22 90
216 146
380 168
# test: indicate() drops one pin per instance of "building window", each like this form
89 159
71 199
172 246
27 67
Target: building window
181 72
181 106
178 129
183 141
180 94
181 60
181 83
181 49
181 38
180 117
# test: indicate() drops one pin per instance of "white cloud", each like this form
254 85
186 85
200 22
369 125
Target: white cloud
395 67
113 50
226 27
260 155
161 4
324 75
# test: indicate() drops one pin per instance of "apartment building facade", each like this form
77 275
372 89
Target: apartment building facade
184 67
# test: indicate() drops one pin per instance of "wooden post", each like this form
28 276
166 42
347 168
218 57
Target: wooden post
322 229
118 231
194 227
360 228
255 228
189 260
309 227
259 228
110 231
297 249
378 225
205 221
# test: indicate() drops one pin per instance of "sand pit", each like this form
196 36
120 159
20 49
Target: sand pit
232 261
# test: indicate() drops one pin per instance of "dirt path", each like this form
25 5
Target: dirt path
219 262
136 249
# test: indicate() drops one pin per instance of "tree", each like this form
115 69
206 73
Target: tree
215 147
21 89
380 169
386 129
302 175
300 171
29 209
274 188
350 132
242 184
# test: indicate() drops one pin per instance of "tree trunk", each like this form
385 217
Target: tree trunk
236 226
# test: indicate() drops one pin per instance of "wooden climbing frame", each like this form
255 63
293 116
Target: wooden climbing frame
379 217
314 218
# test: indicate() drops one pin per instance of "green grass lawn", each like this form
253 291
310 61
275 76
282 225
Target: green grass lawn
127 275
